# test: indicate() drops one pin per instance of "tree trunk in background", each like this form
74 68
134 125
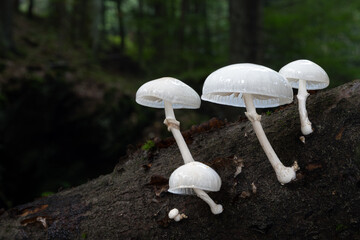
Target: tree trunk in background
207 33
96 12
6 26
16 5
140 32
183 22
30 9
159 29
59 18
121 25
103 19
245 30
82 22
132 202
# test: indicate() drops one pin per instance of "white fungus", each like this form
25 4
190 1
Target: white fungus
196 178
252 86
304 74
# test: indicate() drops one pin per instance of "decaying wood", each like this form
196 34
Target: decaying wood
132 202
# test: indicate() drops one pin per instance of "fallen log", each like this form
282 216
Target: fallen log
132 201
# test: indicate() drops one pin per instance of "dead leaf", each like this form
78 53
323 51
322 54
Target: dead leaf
28 211
240 164
238 170
154 200
158 180
339 135
253 187
159 183
313 166
244 194
211 124
147 166
160 190
43 220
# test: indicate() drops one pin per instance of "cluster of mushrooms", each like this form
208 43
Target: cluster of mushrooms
241 85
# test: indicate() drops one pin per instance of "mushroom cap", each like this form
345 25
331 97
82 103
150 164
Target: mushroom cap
173 213
227 84
313 74
153 94
194 175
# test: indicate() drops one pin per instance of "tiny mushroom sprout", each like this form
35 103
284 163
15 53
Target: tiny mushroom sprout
251 85
175 214
304 74
196 177
170 93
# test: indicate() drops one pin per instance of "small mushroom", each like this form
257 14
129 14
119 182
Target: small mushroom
170 93
174 214
304 74
251 85
196 178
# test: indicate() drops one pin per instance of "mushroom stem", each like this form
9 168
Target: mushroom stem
174 127
302 96
283 174
215 208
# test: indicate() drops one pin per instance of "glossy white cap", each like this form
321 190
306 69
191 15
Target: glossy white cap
226 86
313 74
153 94
173 213
194 175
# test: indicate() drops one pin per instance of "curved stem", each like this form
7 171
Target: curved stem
174 127
304 120
283 174
215 208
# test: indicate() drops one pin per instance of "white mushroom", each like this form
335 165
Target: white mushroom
196 178
305 74
170 93
250 85
174 214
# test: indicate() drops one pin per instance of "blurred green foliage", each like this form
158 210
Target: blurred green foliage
324 31
190 39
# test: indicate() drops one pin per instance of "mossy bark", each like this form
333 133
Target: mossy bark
132 202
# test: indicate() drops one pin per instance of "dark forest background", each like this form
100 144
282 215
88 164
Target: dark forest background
69 70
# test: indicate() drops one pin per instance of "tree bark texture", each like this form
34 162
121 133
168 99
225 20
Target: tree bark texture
6 26
132 201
